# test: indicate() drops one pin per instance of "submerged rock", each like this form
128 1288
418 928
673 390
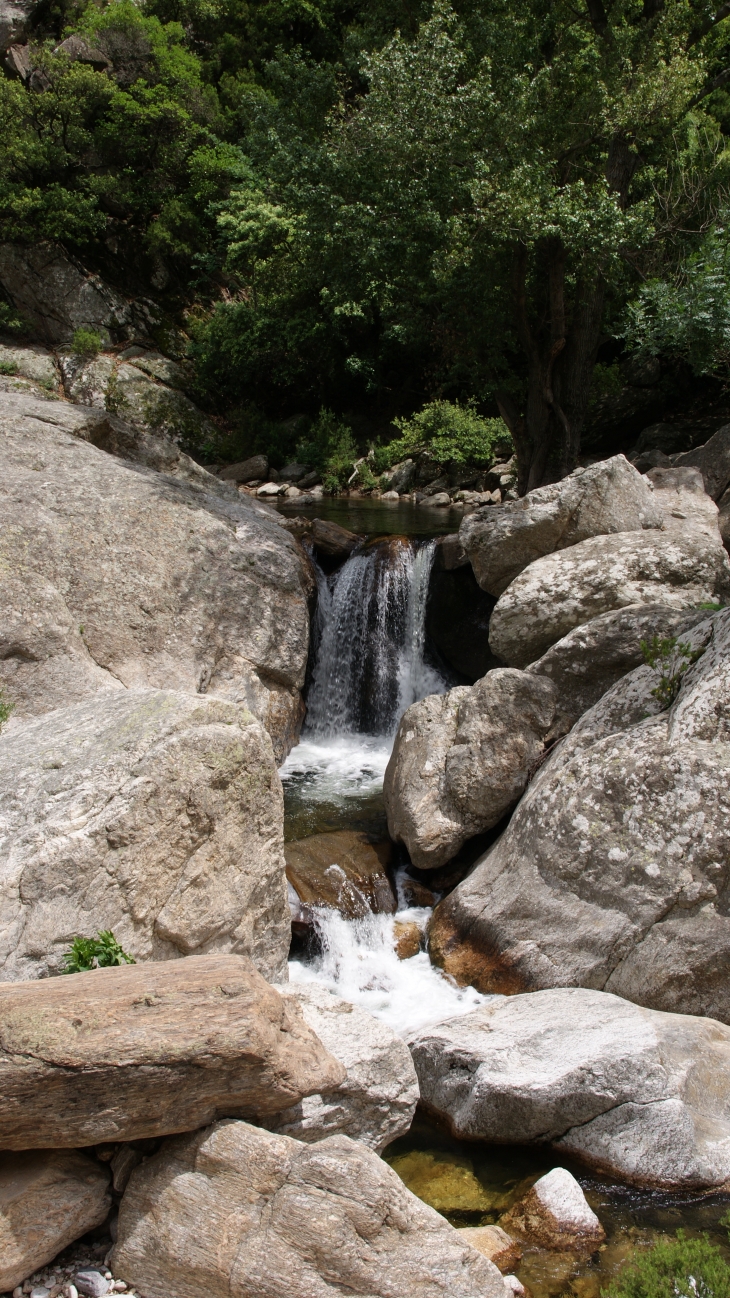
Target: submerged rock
48 1198
608 497
139 1051
640 1095
445 1181
343 870
612 870
156 814
237 1210
494 1242
377 1100
554 1214
462 759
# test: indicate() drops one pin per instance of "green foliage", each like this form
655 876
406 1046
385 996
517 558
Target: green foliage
8 367
670 659
678 1268
86 342
5 709
98 952
450 434
330 448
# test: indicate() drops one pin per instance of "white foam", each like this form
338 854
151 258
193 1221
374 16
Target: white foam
332 770
358 962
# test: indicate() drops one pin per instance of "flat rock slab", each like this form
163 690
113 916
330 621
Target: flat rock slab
608 497
636 1093
155 814
378 1098
613 870
462 759
343 870
48 1198
239 1211
144 1050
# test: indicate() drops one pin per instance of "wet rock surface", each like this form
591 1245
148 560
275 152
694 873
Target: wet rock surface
638 1094
48 1198
166 812
139 1051
495 1244
343 870
376 1101
259 1215
461 759
554 1214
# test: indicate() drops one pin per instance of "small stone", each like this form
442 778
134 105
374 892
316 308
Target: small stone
71 1291
39 1291
91 1283
18 1291
514 1288
554 1214
119 1286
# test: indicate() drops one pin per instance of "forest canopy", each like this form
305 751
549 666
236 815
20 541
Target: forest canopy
369 207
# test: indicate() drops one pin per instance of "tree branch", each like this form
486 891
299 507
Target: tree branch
706 27
598 17
711 85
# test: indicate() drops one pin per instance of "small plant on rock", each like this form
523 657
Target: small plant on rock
100 952
86 342
670 659
675 1268
5 709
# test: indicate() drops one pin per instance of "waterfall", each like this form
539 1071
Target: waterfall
370 640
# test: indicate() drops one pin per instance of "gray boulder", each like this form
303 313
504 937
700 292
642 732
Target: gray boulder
246 470
462 759
376 1102
589 660
114 575
57 295
713 462
608 497
155 814
14 18
48 1198
613 871
235 1210
724 519
134 391
31 362
637 1094
681 566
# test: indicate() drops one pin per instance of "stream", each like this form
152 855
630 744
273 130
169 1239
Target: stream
370 660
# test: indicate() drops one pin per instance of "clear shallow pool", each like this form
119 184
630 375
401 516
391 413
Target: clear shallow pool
377 517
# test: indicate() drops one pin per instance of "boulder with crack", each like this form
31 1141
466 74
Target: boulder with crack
155 814
608 497
637 1094
143 1050
116 575
240 1211
48 1198
462 759
377 1100
614 870
682 566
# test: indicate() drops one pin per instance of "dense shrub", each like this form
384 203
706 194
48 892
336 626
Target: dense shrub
676 1268
450 434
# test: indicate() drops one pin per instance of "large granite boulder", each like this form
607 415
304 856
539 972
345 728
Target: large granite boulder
713 462
14 20
144 390
114 575
608 497
462 759
48 1198
640 1095
143 1050
593 657
681 566
57 295
156 814
614 869
377 1100
239 1211
30 364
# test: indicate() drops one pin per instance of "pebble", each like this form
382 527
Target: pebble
91 1283
39 1291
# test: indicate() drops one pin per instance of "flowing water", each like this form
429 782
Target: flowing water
370 661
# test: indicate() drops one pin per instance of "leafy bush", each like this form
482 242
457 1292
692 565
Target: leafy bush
86 342
670 660
330 449
100 952
676 1268
8 367
5 709
450 433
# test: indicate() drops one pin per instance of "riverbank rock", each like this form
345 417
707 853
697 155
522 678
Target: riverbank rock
682 566
460 760
143 389
593 657
48 1198
555 1215
343 870
237 1210
610 496
142 1050
641 1095
377 1100
113 575
156 814
494 1243
333 541
713 462
613 869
